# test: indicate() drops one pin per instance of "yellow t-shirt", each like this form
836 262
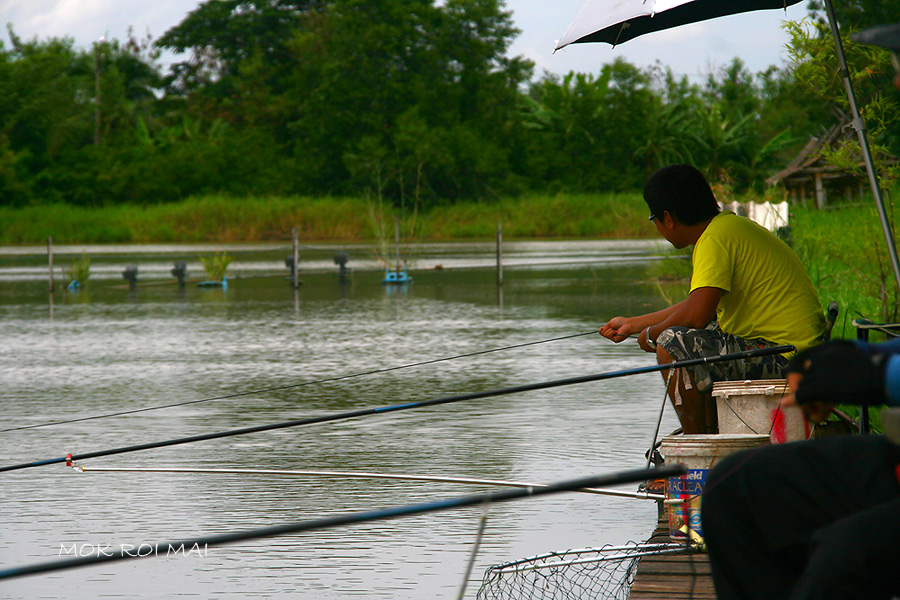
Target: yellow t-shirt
768 293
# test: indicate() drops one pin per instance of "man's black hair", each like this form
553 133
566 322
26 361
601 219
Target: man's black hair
683 191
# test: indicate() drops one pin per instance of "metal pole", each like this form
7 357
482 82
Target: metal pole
862 334
860 127
296 235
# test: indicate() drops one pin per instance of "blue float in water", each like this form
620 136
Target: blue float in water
396 277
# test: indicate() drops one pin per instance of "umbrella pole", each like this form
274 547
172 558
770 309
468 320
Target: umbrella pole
860 127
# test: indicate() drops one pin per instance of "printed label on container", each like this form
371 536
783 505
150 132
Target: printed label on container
688 488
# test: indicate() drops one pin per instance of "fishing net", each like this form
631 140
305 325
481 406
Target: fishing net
589 573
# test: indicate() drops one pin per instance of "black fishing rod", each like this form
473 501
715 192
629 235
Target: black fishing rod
296 385
398 407
185 547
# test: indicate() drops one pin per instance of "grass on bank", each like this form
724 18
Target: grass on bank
227 219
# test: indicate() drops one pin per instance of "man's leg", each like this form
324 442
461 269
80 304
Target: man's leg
690 389
691 405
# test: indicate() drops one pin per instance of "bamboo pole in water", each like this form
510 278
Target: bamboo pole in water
295 232
500 253
397 242
50 260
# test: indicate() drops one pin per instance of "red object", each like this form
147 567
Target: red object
68 460
779 427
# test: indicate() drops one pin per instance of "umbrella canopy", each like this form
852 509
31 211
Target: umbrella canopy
617 21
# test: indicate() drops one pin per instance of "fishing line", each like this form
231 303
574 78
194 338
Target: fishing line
398 407
162 548
296 385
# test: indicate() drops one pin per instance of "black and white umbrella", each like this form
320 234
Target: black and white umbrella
617 21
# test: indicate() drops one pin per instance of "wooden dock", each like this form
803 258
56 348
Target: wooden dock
675 577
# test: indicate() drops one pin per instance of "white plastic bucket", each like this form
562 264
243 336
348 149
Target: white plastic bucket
752 407
699 453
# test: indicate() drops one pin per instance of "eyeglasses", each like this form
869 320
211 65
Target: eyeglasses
652 217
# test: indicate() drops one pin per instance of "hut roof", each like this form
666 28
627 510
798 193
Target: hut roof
809 161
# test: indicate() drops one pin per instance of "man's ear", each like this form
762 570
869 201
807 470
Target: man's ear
669 219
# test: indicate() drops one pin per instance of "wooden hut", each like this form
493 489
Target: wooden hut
809 176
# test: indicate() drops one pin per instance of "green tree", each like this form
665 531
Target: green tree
366 64
857 14
64 110
586 129
327 80
222 35
815 66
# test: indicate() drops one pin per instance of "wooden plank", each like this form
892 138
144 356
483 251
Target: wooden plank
672 577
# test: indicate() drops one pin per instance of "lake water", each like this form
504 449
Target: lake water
107 349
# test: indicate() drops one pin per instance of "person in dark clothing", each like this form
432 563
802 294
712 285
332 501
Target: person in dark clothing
813 519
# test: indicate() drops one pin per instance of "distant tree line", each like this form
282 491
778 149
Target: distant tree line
410 100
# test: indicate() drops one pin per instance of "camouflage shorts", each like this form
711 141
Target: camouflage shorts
685 343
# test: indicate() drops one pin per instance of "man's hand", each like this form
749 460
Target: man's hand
815 412
618 329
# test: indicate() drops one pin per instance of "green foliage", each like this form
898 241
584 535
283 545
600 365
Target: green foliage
858 14
79 270
225 219
559 215
845 255
216 265
423 85
815 65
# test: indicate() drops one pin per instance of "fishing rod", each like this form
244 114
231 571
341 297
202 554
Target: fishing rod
296 385
366 475
407 406
164 548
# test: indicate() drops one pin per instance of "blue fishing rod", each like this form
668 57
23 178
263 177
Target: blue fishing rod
182 546
407 406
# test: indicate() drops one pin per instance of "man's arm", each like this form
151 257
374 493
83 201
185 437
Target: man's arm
845 372
696 311
619 328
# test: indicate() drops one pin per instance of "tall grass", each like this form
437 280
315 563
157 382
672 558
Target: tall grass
559 216
216 266
79 270
205 219
842 248
227 219
844 252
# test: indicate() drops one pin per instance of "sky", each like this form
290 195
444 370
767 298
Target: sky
693 50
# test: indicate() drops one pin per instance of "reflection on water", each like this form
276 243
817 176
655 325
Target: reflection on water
109 349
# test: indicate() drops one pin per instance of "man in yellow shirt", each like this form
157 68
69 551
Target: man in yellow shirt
748 290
